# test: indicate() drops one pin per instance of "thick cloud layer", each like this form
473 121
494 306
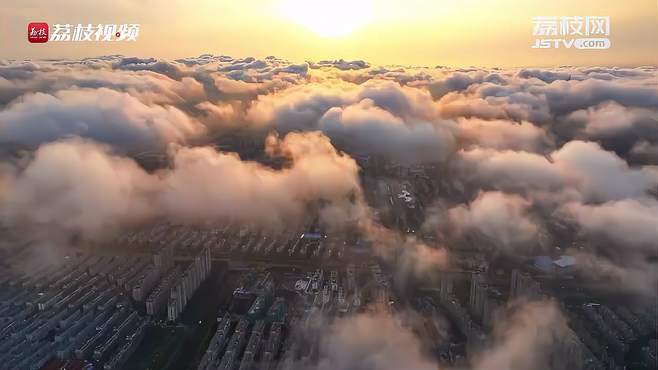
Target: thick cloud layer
371 342
520 151
360 105
75 186
208 185
501 218
368 128
582 168
627 222
518 154
526 335
103 115
99 191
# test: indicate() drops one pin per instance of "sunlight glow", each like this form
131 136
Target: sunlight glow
329 18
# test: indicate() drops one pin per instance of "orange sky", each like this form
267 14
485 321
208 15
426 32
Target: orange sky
409 32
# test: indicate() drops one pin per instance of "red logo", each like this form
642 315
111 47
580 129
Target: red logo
37 32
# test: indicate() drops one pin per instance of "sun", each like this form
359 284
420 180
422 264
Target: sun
329 18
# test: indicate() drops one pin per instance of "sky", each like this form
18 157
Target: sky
491 33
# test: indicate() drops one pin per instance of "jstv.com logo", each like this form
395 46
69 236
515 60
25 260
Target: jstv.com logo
578 32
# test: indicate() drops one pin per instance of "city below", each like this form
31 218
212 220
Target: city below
235 296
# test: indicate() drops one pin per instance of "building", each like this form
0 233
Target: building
478 295
158 297
145 283
253 346
494 301
567 352
447 285
163 259
523 285
192 277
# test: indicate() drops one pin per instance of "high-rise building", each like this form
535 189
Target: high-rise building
158 297
446 286
492 304
567 352
523 285
164 258
193 276
478 296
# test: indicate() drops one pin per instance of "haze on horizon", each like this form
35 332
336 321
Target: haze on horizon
412 32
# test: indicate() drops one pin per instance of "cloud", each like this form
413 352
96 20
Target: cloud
627 222
582 168
544 108
644 152
460 81
560 101
169 69
367 128
570 146
298 108
544 75
601 175
501 218
630 272
421 260
103 115
75 187
371 342
529 336
617 127
567 96
379 118
526 335
343 65
148 85
503 134
204 184
99 190
220 116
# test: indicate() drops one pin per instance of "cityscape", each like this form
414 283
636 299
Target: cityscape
234 296
328 185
